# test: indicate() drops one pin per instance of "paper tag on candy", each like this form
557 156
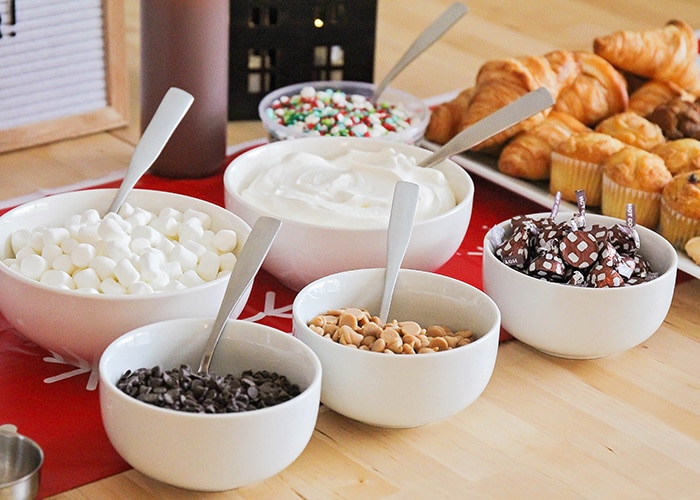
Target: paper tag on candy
555 205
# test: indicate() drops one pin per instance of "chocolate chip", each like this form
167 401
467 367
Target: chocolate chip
185 390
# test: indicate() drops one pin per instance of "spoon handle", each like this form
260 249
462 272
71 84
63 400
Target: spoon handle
247 266
425 40
403 212
167 117
507 116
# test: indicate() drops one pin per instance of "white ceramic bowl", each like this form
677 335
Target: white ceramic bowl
78 326
209 452
303 252
417 109
578 322
401 390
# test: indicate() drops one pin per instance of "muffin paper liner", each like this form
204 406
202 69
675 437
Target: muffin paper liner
616 197
676 227
570 174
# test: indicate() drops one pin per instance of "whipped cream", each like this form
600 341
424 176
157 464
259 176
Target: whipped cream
353 190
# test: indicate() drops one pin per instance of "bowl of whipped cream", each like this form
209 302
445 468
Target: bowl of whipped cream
334 194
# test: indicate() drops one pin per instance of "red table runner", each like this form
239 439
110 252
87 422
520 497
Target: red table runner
56 404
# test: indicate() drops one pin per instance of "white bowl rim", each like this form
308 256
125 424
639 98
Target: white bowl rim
586 289
196 416
468 200
103 296
450 352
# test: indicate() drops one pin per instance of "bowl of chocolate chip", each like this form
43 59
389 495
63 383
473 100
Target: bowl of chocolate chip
579 285
246 419
431 358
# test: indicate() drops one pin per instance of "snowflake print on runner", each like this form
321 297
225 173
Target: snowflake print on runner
271 313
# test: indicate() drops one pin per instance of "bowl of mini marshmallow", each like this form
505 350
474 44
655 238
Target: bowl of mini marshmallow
73 278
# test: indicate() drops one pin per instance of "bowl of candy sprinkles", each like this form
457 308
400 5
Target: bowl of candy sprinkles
579 285
343 109
72 278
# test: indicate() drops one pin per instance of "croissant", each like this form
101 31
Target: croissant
654 93
499 82
668 53
527 156
598 92
446 117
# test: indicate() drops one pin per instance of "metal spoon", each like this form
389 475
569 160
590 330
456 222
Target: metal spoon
247 266
431 34
507 116
403 212
165 120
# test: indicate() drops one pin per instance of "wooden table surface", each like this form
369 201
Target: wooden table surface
625 426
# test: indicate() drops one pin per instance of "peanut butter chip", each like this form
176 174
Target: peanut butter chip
355 327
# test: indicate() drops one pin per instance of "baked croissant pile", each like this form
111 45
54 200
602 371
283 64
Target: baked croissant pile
626 71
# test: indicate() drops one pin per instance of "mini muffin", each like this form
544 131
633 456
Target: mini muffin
576 163
632 129
635 176
681 155
680 209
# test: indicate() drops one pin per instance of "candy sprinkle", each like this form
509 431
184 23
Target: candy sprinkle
333 112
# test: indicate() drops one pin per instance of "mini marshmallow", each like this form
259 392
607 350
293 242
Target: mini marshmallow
36 240
149 264
109 230
83 254
174 285
63 263
139 217
148 233
208 266
195 247
170 213
139 288
139 245
33 266
126 210
51 253
225 240
159 281
190 278
204 218
190 230
87 278
227 261
89 233
24 252
90 216
187 258
173 269
103 266
167 226
111 287
68 245
54 235
20 239
53 277
126 273
116 249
